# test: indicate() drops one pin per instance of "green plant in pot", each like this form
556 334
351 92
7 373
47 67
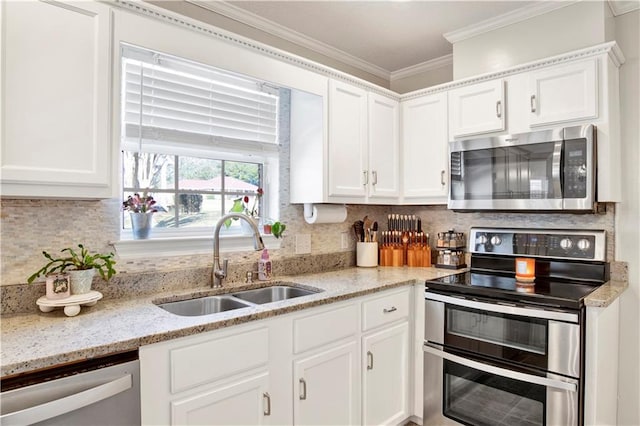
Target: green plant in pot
81 265
277 229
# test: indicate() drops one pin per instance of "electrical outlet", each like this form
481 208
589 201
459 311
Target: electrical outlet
344 244
303 243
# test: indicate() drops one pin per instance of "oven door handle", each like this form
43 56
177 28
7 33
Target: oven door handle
510 374
503 308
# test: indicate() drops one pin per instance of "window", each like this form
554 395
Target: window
197 139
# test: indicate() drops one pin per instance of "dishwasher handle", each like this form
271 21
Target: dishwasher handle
69 403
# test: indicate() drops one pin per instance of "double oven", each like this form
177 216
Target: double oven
498 351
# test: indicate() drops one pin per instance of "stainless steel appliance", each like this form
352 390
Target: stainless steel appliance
544 170
501 352
102 391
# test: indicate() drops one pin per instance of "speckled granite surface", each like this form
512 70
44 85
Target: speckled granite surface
35 341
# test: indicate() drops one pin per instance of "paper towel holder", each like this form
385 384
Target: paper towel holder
313 214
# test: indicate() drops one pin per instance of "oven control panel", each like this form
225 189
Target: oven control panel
552 243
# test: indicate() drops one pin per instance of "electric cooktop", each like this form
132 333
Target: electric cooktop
543 292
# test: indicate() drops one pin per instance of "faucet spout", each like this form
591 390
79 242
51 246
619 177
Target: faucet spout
219 273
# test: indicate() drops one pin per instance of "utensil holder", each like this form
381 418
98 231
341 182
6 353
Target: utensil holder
367 254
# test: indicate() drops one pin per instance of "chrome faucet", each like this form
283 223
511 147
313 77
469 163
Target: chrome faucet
220 273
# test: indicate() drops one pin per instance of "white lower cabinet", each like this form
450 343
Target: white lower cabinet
385 390
327 387
346 363
242 402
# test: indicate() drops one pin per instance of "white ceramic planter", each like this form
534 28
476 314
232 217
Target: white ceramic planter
81 280
57 286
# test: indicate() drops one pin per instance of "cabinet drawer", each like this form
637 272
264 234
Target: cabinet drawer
329 326
385 309
218 358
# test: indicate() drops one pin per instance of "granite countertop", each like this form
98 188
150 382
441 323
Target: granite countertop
32 342
36 341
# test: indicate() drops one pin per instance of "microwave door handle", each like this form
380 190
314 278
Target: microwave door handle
510 374
67 404
556 169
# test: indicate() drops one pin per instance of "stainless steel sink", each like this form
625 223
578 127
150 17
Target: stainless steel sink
226 302
272 294
203 306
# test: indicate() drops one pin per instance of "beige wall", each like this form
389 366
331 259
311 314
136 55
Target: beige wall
429 78
628 218
573 27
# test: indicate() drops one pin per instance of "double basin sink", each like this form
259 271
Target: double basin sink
226 302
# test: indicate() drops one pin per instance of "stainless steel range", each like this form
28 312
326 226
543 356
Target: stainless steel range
505 351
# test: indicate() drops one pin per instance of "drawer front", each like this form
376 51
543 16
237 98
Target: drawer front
385 309
218 358
321 328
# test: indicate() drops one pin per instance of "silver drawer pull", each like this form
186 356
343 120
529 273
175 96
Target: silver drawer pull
303 392
499 109
369 360
533 103
391 309
267 397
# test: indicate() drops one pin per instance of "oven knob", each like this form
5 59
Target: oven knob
566 243
482 239
584 244
496 240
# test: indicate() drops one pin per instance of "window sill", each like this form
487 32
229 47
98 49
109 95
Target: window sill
182 246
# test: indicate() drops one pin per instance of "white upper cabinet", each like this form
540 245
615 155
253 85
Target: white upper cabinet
384 113
425 150
563 93
347 140
56 77
477 109
363 145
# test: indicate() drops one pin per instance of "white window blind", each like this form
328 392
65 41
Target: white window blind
171 104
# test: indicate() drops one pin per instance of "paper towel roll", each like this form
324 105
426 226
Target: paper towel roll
325 213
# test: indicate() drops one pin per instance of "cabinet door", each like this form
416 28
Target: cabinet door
326 387
55 100
243 402
477 109
564 93
385 390
425 150
383 147
348 172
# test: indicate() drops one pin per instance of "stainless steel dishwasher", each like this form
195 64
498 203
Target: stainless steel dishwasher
101 391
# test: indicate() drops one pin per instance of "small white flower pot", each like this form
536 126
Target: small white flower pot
81 280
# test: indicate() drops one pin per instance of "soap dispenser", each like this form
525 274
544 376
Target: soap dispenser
264 266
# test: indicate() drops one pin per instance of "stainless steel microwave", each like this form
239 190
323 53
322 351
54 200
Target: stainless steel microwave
546 170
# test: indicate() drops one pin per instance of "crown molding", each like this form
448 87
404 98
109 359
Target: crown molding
238 14
620 7
610 48
513 17
422 67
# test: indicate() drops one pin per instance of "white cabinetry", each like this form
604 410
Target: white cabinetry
211 378
347 140
476 109
56 77
327 384
384 116
347 363
385 351
424 149
563 93
363 145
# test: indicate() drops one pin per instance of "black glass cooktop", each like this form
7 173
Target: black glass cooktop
544 291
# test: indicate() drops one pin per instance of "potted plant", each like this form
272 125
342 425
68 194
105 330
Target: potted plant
81 265
141 209
277 229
